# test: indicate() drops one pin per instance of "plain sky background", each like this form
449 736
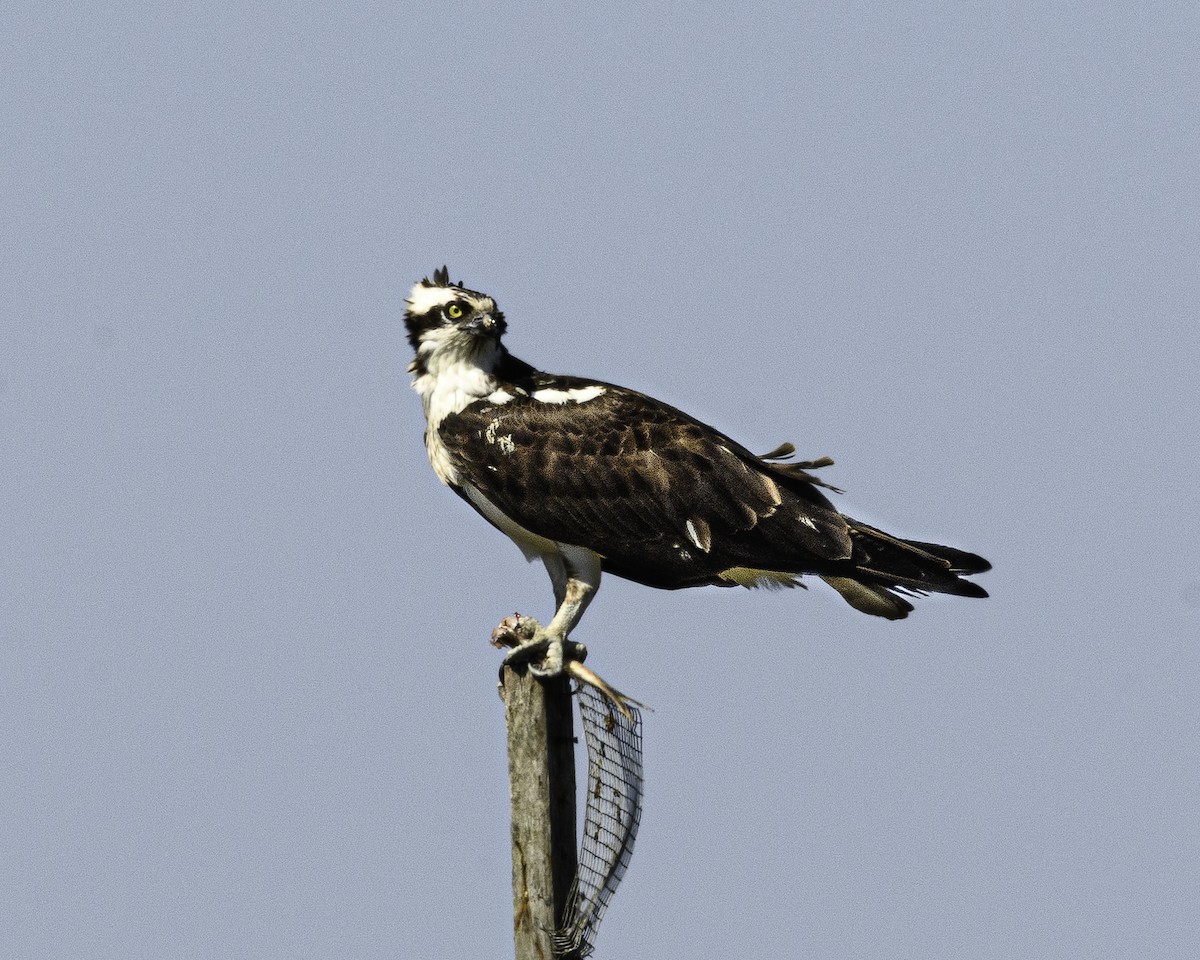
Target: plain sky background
247 705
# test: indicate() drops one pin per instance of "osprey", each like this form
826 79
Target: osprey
590 477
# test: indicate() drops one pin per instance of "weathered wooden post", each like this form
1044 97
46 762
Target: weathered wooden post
541 778
560 892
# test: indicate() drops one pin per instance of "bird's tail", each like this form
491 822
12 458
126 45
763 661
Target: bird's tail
883 570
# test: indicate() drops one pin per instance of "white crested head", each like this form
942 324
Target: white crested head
447 320
424 298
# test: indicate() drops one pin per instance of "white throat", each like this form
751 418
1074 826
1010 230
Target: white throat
457 371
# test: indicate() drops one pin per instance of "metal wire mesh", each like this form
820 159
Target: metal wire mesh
612 812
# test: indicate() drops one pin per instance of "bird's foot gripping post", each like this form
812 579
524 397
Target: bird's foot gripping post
546 654
527 642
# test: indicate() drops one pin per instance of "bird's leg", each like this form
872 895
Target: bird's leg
549 643
554 634
575 573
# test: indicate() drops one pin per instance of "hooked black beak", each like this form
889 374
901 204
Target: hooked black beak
480 326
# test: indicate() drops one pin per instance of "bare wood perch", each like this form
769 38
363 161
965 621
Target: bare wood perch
541 777
549 919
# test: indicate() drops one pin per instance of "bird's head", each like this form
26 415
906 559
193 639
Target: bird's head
445 317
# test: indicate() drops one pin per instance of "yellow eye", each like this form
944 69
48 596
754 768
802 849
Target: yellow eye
455 310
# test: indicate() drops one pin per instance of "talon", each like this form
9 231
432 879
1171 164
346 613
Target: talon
544 653
528 642
527 651
551 662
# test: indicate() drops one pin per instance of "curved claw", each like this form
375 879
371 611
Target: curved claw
527 640
547 654
526 652
531 645
551 664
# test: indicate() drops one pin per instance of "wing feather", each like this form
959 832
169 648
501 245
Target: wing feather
642 484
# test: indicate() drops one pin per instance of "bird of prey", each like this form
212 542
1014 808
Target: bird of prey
590 477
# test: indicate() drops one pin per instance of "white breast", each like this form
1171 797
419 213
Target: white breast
452 381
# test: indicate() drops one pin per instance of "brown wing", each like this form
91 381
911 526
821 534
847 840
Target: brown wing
665 499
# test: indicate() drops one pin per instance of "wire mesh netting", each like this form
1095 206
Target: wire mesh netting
612 812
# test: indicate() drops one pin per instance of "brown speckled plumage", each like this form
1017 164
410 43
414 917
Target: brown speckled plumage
660 497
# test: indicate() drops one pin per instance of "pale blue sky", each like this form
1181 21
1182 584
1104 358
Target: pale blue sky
248 704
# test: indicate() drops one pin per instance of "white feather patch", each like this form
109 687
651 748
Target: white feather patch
699 533
502 440
423 299
576 395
